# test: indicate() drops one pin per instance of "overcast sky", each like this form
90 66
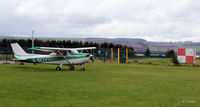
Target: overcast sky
153 20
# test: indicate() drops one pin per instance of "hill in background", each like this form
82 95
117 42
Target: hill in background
138 44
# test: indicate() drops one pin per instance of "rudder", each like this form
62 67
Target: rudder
18 51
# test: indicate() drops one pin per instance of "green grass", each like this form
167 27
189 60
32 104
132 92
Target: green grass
154 61
102 85
159 61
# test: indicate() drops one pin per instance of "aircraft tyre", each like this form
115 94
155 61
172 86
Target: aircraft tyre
58 68
71 67
82 69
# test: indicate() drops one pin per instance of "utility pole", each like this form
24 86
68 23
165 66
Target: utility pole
33 41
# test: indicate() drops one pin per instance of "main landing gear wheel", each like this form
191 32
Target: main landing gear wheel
71 67
82 69
58 68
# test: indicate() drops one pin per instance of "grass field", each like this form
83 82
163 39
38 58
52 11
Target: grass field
102 85
160 61
154 61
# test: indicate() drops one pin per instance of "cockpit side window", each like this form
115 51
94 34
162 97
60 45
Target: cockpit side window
74 51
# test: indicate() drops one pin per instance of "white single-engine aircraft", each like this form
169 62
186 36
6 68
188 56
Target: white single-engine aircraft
60 56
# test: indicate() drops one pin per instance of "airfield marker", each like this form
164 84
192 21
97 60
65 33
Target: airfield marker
186 55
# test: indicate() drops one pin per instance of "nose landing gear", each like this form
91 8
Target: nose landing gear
82 69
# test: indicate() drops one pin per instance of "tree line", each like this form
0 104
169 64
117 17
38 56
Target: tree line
61 43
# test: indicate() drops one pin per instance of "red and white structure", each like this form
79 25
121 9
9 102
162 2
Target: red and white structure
186 55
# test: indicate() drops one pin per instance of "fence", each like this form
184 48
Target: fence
110 55
5 54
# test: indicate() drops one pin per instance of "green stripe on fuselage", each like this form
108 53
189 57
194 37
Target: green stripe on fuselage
24 55
49 59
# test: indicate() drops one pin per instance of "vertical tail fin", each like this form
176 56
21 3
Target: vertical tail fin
18 51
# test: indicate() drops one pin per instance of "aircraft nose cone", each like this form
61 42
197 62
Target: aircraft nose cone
89 55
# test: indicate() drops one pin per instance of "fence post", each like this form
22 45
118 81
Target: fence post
104 56
6 52
118 56
127 55
101 55
111 55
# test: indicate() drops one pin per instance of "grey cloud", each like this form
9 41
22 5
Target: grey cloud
159 20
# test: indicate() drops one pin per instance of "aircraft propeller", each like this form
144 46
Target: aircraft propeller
91 57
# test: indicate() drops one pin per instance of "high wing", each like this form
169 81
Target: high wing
86 48
54 49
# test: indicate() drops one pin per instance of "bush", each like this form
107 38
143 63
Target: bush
147 52
169 53
175 60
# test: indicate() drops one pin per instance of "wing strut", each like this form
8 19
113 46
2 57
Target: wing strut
64 57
